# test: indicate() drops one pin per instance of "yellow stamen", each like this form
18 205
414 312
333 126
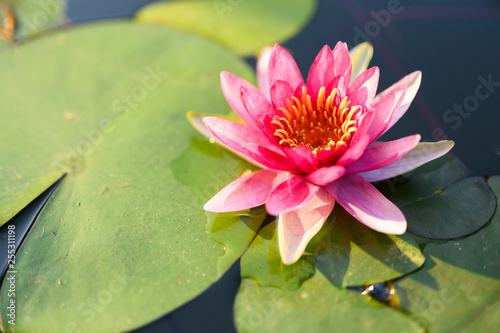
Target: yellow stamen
322 125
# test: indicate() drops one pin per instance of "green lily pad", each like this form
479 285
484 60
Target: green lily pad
457 210
35 16
205 177
262 262
438 202
424 181
317 306
234 231
123 239
458 289
243 26
345 251
208 178
351 254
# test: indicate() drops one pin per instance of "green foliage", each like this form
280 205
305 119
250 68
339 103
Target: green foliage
345 251
438 202
243 26
317 306
351 254
122 241
458 289
262 262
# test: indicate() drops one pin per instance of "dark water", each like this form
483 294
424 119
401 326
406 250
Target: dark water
13 233
454 43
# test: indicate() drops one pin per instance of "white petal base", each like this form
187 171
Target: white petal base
297 227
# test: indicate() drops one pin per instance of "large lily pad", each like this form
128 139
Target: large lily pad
204 176
458 289
345 251
317 306
122 241
438 202
243 26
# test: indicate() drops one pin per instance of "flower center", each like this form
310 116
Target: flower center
322 126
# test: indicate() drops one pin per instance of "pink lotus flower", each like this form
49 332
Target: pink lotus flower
316 142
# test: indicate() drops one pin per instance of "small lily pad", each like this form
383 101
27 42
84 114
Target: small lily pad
457 210
438 202
458 289
423 181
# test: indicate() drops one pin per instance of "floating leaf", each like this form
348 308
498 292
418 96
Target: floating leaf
13 232
458 289
316 306
262 262
424 181
438 203
122 241
351 254
345 251
457 210
234 231
243 26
